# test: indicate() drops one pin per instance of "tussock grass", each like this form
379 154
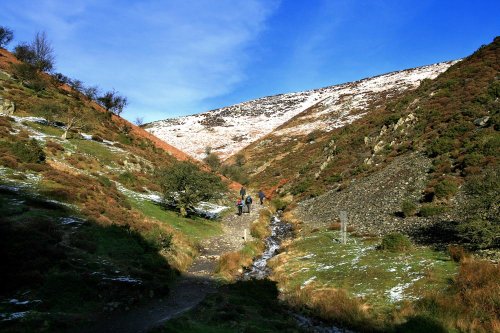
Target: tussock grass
259 228
470 303
231 264
335 305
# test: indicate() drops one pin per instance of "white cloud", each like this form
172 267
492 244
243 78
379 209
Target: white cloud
166 56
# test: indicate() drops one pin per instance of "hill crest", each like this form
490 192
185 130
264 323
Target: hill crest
229 129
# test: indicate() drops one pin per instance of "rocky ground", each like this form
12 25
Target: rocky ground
373 203
192 286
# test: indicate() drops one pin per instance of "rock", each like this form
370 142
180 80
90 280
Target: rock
379 146
481 122
7 107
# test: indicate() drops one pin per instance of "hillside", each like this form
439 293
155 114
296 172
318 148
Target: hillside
417 176
227 130
83 226
431 149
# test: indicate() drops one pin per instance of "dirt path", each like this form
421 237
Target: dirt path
190 289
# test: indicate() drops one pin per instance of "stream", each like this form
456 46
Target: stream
259 270
279 231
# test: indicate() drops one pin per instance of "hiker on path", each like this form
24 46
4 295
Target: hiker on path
239 204
243 192
248 202
262 196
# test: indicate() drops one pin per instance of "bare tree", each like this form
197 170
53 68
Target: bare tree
44 53
75 120
6 36
139 121
91 92
39 53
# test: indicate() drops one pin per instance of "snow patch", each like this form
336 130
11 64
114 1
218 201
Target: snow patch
231 128
308 281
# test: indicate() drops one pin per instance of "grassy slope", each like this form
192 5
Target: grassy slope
445 109
356 285
122 235
465 165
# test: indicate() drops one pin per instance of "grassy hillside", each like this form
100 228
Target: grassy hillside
424 163
450 124
83 229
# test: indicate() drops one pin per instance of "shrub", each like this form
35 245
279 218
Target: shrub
471 302
396 242
445 188
431 210
408 208
8 161
28 152
159 239
212 160
186 185
112 101
480 234
38 54
457 253
301 187
279 204
236 173
440 146
54 147
97 138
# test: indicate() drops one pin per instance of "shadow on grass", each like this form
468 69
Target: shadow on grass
62 270
245 306
439 234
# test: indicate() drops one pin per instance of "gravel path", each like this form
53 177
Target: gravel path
190 289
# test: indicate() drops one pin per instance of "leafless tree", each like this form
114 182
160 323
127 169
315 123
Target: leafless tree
6 36
139 121
75 120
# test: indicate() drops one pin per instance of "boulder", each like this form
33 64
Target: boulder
481 122
7 107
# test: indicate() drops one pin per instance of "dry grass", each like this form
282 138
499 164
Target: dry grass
471 304
334 305
457 253
259 228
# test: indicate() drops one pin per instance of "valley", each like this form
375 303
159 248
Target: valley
105 227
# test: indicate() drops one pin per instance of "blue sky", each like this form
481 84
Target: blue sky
178 57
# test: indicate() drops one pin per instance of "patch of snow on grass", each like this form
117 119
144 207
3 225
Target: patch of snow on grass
308 281
13 315
126 279
307 256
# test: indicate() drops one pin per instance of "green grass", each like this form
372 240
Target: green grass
381 278
195 227
97 150
45 129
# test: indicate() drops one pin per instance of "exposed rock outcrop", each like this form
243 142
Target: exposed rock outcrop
7 107
373 203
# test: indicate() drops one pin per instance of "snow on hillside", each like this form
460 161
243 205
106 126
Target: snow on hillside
229 129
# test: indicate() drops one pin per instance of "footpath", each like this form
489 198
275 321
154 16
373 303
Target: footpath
190 288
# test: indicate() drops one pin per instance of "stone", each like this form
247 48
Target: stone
481 122
7 107
379 146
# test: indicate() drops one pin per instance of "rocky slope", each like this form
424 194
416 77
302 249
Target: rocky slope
229 129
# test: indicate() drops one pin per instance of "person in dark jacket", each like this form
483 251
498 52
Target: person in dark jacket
262 196
248 202
243 192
